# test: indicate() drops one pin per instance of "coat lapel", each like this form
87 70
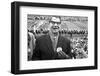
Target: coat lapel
59 42
50 47
49 43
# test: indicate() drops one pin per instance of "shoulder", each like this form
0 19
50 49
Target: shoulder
65 39
31 34
43 37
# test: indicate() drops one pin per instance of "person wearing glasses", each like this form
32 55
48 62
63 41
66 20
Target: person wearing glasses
53 45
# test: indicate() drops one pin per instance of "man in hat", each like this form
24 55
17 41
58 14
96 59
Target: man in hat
52 46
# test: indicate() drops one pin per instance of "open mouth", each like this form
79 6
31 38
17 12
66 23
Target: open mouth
55 27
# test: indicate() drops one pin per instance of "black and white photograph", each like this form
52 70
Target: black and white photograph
53 37
57 37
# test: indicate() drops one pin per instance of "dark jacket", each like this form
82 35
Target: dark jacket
44 49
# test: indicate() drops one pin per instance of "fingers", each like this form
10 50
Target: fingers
62 54
59 54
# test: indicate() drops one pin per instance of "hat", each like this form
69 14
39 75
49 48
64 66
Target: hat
56 19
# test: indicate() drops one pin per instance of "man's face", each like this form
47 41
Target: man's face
55 25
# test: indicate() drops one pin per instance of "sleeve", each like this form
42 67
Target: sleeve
32 44
36 52
68 52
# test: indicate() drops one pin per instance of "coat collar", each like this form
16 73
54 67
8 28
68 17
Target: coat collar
49 42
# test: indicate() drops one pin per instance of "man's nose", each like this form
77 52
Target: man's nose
55 24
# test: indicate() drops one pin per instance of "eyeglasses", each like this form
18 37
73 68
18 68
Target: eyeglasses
55 22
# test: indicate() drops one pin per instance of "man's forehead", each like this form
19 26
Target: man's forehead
55 19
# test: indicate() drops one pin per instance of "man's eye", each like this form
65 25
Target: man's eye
53 22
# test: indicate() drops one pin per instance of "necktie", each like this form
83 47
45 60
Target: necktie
54 44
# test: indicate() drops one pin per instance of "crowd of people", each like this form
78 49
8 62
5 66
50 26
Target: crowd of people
70 32
79 47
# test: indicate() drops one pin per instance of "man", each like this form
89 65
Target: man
52 46
31 44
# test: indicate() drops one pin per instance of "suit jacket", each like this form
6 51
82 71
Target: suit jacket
44 49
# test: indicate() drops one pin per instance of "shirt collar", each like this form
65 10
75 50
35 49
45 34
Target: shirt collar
52 36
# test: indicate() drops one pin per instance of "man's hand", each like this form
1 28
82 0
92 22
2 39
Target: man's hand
62 54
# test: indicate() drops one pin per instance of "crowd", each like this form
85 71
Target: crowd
41 31
79 47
